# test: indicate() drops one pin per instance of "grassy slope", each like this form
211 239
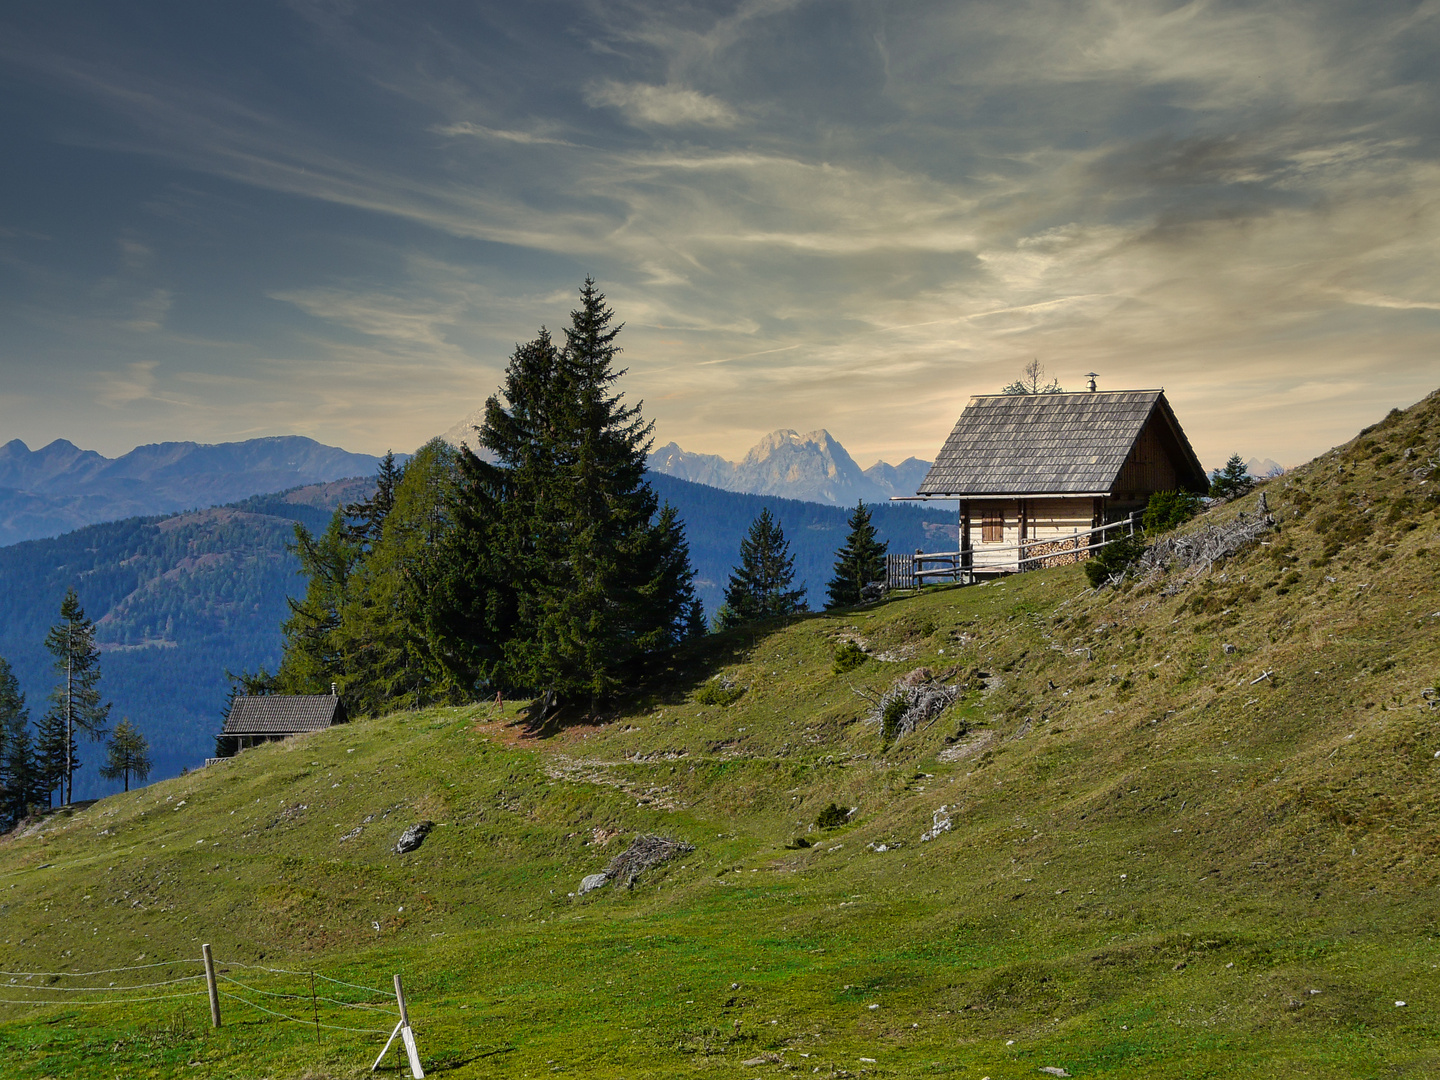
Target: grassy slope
1155 864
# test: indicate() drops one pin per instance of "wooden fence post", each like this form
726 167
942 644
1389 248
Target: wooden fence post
407 1036
210 984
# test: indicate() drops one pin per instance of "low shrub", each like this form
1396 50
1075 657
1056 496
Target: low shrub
832 817
848 657
720 690
1114 558
1167 509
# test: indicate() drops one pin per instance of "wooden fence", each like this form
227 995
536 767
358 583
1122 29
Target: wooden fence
913 571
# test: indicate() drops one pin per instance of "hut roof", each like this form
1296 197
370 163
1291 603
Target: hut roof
1051 444
277 714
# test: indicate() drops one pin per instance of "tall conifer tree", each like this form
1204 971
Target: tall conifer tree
312 659
759 588
75 701
598 578
859 562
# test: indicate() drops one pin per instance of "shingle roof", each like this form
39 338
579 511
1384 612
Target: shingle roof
276 714
1033 444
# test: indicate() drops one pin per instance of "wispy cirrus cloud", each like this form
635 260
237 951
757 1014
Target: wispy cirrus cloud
664 106
802 212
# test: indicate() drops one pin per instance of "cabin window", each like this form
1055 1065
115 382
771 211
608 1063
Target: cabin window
992 526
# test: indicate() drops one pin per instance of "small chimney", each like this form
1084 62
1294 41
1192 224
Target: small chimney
332 685
1091 387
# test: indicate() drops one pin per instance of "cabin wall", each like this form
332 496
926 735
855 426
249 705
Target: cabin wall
1150 467
1033 521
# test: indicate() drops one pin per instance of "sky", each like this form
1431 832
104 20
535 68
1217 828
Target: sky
336 218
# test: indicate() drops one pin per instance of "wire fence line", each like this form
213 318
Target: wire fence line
107 1001
101 971
299 1020
280 989
12 984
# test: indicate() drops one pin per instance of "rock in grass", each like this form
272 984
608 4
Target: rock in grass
647 851
591 883
413 837
1053 1070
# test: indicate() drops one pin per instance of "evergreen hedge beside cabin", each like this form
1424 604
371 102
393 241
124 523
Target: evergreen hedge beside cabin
1031 471
254 719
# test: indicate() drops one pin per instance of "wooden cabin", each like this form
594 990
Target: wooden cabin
1034 472
269 717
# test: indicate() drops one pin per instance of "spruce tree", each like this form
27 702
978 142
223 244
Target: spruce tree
859 562
56 749
759 588
367 517
1232 481
695 624
127 755
75 701
17 759
600 575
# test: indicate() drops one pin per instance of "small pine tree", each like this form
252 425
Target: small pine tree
759 588
75 702
127 755
1167 509
859 562
695 624
1232 481
55 751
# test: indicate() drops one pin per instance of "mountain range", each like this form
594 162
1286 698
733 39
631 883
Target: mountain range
61 487
813 467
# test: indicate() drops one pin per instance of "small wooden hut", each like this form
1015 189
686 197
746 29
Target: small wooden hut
1035 473
269 717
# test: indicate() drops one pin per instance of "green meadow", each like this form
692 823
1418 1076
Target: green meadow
1161 861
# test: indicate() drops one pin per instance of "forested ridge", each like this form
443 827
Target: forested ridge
180 600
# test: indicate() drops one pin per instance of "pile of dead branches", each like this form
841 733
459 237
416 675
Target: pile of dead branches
1198 551
912 702
646 852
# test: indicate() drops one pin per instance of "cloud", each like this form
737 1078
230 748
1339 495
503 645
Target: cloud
149 313
664 106
866 215
480 131
135 382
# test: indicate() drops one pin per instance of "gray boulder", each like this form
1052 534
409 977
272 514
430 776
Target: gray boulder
593 882
413 837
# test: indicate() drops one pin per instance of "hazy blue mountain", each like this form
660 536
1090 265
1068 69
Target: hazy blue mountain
180 600
902 479
813 467
1263 469
60 487
709 469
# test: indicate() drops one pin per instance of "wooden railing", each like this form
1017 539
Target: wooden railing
909 571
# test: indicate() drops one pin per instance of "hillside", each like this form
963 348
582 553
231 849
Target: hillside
60 487
177 601
1161 861
181 600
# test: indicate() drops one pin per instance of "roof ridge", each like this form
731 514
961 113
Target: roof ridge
1073 393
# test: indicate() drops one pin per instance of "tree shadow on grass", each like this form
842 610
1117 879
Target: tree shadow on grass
668 678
